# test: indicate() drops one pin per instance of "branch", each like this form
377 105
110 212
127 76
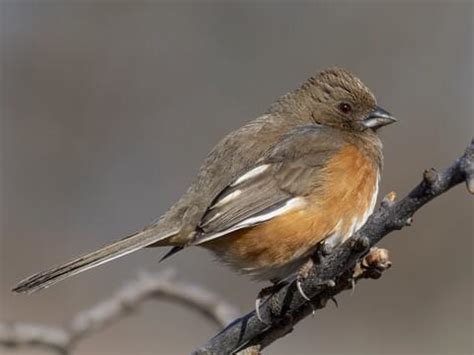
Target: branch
354 260
160 286
335 271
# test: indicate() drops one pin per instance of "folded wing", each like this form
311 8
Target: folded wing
278 184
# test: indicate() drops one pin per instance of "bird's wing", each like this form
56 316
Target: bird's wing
281 180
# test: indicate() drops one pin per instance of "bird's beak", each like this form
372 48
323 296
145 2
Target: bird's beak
378 118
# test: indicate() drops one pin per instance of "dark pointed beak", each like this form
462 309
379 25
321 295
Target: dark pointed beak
378 118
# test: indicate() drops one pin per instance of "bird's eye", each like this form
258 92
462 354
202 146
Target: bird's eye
345 108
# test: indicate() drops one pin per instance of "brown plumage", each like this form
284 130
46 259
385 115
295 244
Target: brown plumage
304 172
278 247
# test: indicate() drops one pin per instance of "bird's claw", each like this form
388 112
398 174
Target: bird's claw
257 309
299 286
266 292
333 299
302 274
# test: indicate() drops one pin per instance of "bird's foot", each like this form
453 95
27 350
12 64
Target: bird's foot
267 292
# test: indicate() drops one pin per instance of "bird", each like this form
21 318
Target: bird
304 174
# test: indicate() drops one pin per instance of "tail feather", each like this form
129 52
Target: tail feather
103 255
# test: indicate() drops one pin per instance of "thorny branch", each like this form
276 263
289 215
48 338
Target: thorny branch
158 286
334 272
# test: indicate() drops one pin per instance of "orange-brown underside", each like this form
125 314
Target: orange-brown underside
349 183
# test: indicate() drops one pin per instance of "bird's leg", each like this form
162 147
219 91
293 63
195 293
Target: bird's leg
321 252
324 249
302 274
267 292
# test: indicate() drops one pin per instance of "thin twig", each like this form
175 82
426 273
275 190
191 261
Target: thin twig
332 275
159 286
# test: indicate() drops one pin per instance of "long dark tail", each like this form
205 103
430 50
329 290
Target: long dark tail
103 255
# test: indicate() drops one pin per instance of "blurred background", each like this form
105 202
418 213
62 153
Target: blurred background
107 110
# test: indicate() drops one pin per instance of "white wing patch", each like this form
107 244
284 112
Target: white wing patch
288 206
228 198
296 202
251 174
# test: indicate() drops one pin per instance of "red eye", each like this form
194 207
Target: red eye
345 108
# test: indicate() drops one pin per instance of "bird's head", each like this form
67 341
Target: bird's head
343 101
337 98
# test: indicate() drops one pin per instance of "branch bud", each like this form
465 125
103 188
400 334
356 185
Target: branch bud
389 199
430 176
377 258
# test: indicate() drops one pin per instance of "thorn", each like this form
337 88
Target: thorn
333 299
409 221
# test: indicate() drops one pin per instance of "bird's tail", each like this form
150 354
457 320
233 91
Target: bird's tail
103 255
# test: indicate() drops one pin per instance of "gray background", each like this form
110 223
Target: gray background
107 110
